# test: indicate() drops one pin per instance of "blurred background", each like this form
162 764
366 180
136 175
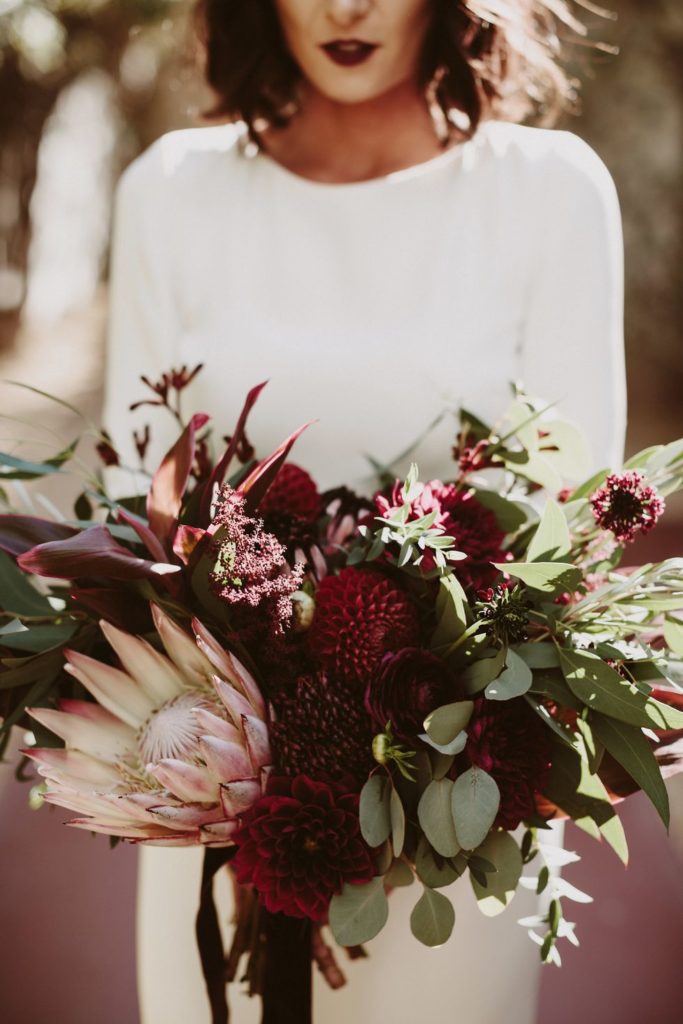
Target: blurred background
85 85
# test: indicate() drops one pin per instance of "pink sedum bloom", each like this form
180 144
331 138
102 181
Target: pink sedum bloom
175 748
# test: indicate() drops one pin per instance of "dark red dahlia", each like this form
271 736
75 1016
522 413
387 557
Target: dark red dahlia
360 616
459 514
323 729
508 740
625 505
250 567
299 844
409 686
293 492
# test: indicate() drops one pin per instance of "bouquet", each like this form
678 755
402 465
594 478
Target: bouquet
338 694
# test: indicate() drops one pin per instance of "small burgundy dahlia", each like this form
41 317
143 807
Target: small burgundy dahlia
360 616
251 568
509 741
299 844
293 492
625 505
409 686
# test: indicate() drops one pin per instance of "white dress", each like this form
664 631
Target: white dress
371 307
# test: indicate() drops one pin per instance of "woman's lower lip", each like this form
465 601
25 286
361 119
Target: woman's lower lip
349 55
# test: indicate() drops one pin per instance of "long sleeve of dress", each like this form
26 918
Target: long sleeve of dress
142 328
573 337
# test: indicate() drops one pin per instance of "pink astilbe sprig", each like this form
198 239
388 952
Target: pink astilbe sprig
250 567
625 505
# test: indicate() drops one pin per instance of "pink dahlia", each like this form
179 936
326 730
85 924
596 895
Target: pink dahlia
625 505
459 514
360 616
299 844
509 741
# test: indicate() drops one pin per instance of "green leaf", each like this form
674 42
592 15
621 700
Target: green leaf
551 541
41 638
480 673
662 716
514 681
398 823
23 469
602 689
17 594
587 488
399 875
565 449
673 634
548 577
443 725
452 612
510 515
374 813
433 869
628 746
534 467
475 802
359 912
436 817
539 655
432 919
503 852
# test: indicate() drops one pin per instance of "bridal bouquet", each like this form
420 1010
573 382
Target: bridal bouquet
338 695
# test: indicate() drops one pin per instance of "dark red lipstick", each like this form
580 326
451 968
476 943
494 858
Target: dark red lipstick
349 52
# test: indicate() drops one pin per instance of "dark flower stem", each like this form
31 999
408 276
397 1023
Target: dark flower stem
287 986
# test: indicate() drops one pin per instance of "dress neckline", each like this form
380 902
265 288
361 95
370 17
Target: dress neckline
417 172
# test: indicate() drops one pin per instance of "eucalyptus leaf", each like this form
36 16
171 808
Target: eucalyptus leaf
359 912
452 612
514 681
447 722
475 802
374 812
547 577
456 746
503 852
435 815
432 919
399 875
538 655
398 823
628 746
551 541
480 673
510 515
433 869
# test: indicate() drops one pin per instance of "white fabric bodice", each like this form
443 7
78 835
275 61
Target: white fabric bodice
372 308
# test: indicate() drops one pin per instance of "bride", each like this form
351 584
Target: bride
376 233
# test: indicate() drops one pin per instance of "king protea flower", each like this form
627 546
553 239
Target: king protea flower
175 747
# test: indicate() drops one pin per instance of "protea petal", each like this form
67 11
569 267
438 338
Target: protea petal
256 741
182 649
226 761
155 675
72 764
187 781
238 706
87 727
133 833
189 815
238 796
212 725
219 834
114 690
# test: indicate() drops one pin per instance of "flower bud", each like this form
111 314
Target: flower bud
303 608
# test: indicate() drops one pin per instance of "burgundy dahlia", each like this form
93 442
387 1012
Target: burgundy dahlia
509 741
625 505
360 616
293 492
474 528
409 686
322 728
251 569
299 844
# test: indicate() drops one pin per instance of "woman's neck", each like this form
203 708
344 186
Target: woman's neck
346 142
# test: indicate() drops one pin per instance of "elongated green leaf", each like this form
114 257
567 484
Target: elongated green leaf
587 488
629 747
398 823
17 594
359 913
548 577
539 655
551 542
673 634
435 815
501 850
40 638
374 814
432 919
480 673
534 467
475 802
13 468
514 681
452 612
602 689
510 515
661 715
443 725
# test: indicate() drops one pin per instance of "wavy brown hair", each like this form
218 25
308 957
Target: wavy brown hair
484 58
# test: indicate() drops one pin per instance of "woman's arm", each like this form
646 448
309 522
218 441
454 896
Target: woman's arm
573 335
142 325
